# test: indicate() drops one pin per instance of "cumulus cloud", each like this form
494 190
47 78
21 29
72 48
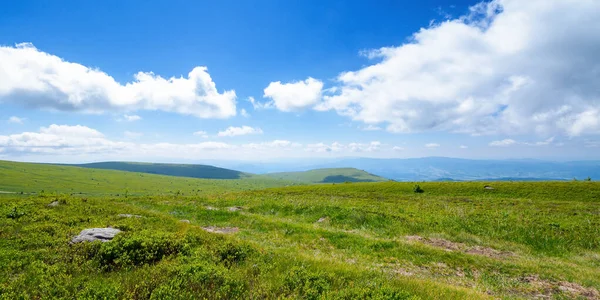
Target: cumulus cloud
503 143
360 147
508 66
244 130
33 78
257 105
201 133
244 113
322 147
371 127
82 143
295 95
131 118
16 120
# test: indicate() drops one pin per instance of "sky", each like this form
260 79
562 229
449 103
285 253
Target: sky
176 81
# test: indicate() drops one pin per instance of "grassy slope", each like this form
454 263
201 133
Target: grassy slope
334 175
551 229
183 170
28 178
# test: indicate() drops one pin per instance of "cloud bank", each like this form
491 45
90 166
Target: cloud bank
33 78
508 66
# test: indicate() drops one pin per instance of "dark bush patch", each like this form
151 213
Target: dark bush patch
231 254
307 284
418 189
133 250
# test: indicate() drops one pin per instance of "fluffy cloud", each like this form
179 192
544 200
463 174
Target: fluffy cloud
235 131
201 133
294 96
508 66
16 120
131 118
81 143
432 145
503 143
510 142
37 79
244 113
360 147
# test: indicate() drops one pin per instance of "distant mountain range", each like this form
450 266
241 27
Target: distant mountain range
437 168
329 175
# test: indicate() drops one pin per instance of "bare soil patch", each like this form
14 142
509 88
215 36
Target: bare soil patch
223 230
454 246
547 289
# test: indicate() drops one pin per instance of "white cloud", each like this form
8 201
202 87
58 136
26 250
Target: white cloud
503 143
371 127
432 145
398 148
360 147
235 131
259 105
71 131
294 96
131 118
16 120
272 144
37 79
132 134
463 147
244 113
322 147
201 133
508 67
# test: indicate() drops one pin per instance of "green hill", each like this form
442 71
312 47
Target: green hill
182 170
30 177
334 175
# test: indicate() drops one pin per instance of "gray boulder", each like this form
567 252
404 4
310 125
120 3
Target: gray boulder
96 234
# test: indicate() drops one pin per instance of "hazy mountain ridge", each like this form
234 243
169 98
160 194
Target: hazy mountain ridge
435 168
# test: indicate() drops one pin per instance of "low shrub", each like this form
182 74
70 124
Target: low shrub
418 189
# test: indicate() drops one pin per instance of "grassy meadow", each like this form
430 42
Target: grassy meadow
264 240
333 175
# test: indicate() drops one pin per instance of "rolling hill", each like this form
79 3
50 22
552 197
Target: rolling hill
31 177
182 170
332 175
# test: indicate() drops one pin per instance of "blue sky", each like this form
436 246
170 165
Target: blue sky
172 81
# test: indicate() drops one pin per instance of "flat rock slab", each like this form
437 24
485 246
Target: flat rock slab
53 204
487 187
96 234
129 216
185 221
234 208
224 230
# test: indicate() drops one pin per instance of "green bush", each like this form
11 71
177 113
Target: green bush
231 254
418 189
307 284
384 293
133 250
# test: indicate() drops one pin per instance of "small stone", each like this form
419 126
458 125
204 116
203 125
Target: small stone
234 208
185 221
224 230
211 208
322 219
53 204
487 187
96 234
129 216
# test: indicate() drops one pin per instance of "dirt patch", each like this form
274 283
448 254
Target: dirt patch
454 246
547 289
234 208
223 230
211 208
3 192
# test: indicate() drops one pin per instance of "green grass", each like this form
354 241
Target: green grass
182 170
34 178
330 241
334 175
